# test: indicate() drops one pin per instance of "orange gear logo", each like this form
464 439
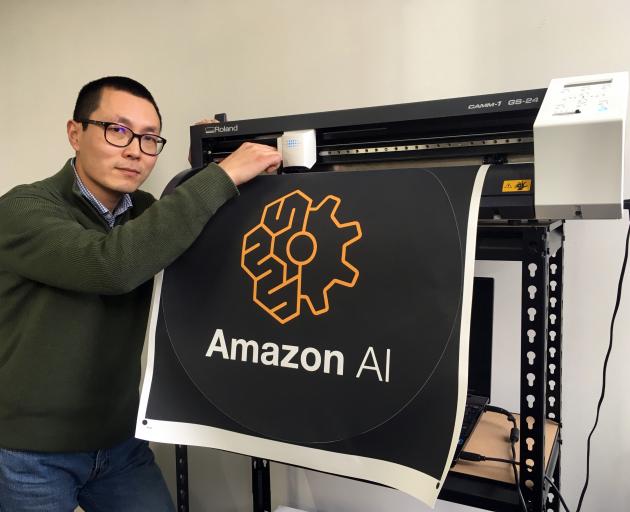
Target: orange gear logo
282 255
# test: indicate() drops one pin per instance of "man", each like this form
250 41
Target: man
77 254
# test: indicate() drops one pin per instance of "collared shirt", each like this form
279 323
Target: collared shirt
110 217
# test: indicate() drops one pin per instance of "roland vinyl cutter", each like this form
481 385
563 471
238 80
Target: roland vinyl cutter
554 153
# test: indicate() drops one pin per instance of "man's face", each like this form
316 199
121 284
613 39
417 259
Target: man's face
109 171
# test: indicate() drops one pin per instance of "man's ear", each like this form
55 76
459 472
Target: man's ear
73 129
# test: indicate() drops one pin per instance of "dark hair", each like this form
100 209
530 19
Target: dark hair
89 96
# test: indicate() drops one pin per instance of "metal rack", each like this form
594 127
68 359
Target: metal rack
539 246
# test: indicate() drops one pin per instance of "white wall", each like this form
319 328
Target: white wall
254 59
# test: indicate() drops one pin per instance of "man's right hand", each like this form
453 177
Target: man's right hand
250 160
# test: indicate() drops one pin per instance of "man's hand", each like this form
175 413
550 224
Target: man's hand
249 160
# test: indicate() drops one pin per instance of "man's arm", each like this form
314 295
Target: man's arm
42 242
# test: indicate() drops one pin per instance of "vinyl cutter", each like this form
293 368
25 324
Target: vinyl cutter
554 153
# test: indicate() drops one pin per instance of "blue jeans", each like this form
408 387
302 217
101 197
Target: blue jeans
123 478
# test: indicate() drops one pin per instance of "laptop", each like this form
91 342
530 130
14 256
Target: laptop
479 358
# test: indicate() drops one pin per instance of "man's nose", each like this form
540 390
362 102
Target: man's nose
133 149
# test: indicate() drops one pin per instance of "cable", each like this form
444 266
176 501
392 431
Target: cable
557 491
610 345
477 457
500 410
514 436
516 480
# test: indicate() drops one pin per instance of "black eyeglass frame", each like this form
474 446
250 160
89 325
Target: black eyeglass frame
134 135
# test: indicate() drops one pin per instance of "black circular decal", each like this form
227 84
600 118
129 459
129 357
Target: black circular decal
308 309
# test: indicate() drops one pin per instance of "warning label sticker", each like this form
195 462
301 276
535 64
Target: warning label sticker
516 186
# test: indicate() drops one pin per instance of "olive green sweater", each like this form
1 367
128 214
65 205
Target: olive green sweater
74 300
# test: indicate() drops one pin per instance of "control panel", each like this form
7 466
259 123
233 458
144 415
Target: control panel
584 97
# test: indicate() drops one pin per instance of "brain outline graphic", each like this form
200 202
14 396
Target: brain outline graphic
267 255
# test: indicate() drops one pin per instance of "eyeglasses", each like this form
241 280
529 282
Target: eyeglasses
120 136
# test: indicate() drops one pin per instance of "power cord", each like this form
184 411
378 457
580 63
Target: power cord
514 437
557 491
476 457
626 205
